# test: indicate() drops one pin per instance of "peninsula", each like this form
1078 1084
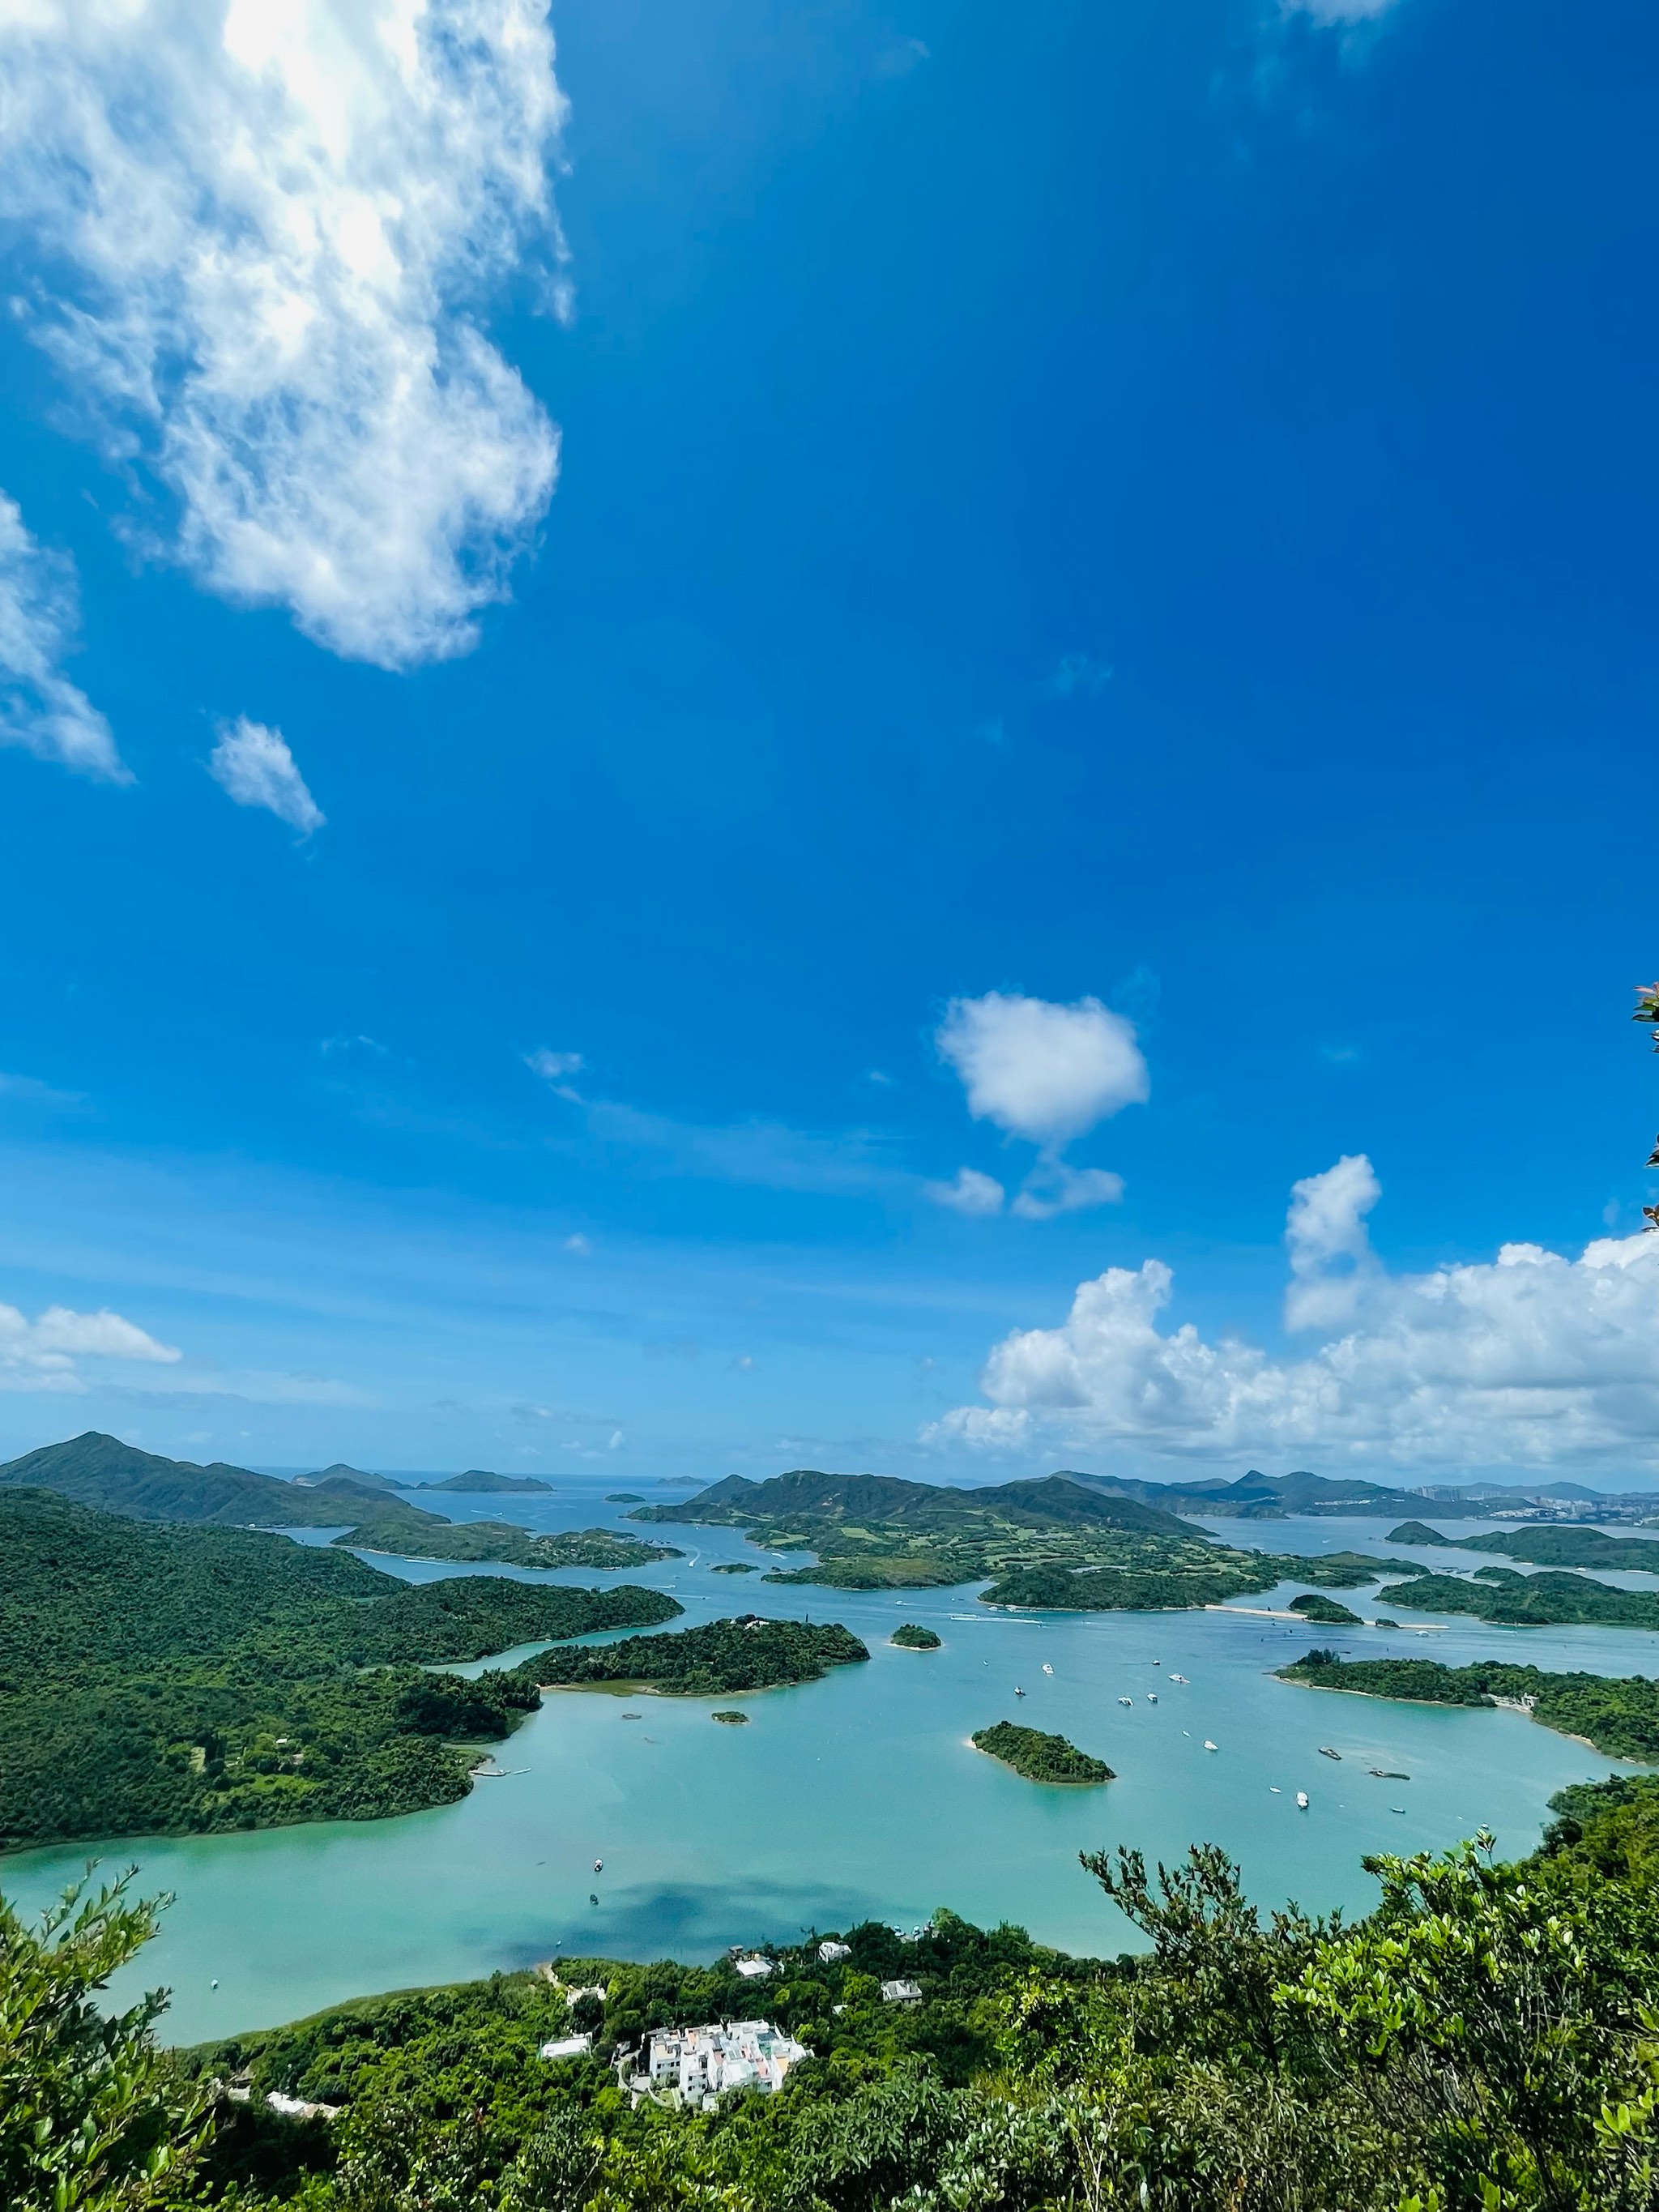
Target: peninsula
172 1680
1619 1716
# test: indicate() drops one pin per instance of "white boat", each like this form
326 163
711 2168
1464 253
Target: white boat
1178 1678
599 1866
1151 1697
1047 1669
1208 1745
1302 1801
1126 1701
1274 1789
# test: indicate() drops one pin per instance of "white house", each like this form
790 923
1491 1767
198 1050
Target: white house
901 1992
756 1969
830 1952
696 2066
569 2046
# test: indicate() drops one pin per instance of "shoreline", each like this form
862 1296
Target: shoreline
1487 1706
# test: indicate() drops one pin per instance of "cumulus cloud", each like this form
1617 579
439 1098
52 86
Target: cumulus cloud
265 233
971 1193
1533 1359
39 616
253 766
1331 1255
1045 1072
41 1354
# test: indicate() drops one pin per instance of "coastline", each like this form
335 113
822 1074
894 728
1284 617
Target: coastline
1487 1704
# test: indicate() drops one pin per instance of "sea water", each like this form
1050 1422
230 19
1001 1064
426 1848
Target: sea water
860 1796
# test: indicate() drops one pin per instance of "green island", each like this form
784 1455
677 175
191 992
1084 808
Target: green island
1618 1715
1419 1532
1509 1600
623 1498
735 1567
746 1653
1550 1547
481 1482
731 1716
163 1679
1040 1757
1314 1605
1062 1542
911 1637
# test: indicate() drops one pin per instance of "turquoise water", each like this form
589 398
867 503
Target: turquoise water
859 1795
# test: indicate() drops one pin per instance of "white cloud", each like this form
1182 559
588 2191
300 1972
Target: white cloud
1045 1072
254 765
578 1246
41 1354
269 228
1331 1255
39 616
556 1068
1533 1359
971 1193
1054 1187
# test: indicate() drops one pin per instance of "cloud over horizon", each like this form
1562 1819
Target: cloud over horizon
269 231
1532 1360
41 1354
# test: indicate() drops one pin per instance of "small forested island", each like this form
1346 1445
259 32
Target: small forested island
623 1498
481 1482
1314 1605
1419 1532
1618 1715
733 1719
171 1679
1509 1600
910 1636
1040 1757
734 1567
746 1653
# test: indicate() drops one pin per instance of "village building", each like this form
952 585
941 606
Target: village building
696 2066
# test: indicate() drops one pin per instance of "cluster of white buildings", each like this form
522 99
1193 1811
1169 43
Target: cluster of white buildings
696 2066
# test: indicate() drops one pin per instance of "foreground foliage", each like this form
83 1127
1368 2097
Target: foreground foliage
1485 2041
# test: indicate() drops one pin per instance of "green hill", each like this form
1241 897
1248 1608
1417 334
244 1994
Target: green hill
478 1482
159 1678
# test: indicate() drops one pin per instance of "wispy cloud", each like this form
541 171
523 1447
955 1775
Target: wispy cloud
270 229
853 1162
1079 675
971 1193
253 765
558 1068
39 616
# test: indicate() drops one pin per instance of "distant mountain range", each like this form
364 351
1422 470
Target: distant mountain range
1057 1501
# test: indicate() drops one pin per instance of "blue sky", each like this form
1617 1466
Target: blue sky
1095 627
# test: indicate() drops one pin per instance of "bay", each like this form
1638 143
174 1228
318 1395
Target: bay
858 1796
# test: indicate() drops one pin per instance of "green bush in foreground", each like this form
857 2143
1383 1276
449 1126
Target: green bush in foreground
1486 2041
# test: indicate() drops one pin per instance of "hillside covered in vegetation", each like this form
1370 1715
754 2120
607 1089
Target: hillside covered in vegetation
116 1478
1618 1715
156 1677
874 1532
1482 2043
1510 1599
